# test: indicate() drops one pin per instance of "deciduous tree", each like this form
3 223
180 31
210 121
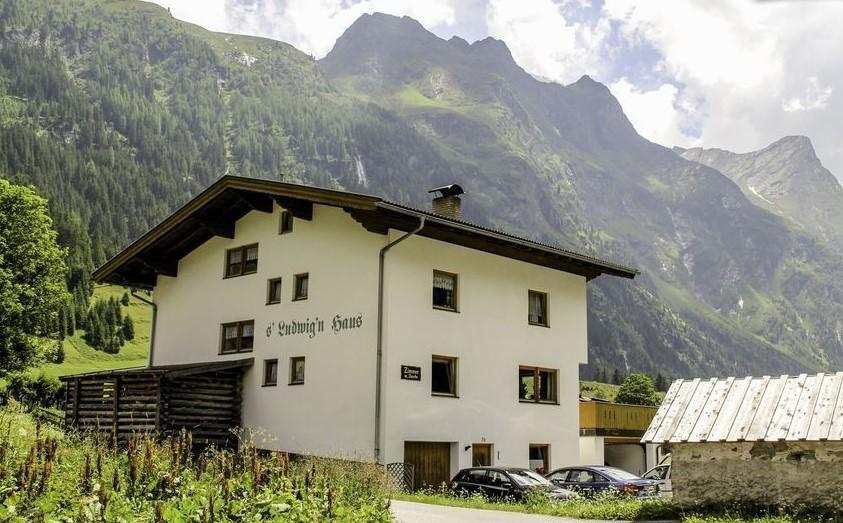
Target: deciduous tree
32 277
637 389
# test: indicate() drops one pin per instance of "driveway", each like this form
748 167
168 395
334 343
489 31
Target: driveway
408 512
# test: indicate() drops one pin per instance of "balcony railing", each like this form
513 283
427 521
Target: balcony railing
614 419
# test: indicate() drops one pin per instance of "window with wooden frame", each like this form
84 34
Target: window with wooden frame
537 308
540 457
238 336
537 385
443 376
273 291
241 260
300 286
297 370
285 222
445 291
270 373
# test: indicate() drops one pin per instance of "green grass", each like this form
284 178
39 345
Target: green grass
80 357
602 508
596 389
46 475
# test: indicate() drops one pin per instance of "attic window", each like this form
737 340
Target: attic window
241 260
285 223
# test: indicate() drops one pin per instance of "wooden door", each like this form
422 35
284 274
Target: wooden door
481 455
431 462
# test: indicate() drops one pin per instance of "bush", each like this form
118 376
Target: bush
637 389
38 391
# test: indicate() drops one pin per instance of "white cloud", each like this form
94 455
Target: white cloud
314 25
543 42
660 114
755 64
814 97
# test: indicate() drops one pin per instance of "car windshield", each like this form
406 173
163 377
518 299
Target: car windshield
619 473
526 478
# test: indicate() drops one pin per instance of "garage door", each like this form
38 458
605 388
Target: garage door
431 462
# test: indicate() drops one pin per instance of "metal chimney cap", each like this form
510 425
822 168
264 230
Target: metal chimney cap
448 190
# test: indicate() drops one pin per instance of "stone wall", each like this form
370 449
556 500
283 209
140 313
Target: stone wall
799 474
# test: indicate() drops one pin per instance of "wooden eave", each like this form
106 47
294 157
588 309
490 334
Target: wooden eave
170 371
215 211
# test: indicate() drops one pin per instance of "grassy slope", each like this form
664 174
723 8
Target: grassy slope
80 357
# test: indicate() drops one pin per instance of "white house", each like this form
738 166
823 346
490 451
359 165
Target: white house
378 332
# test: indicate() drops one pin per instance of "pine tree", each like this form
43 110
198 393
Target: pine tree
128 328
616 377
661 383
125 299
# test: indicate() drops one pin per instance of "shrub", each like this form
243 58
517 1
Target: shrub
637 389
38 391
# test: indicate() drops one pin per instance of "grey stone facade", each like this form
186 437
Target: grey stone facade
792 473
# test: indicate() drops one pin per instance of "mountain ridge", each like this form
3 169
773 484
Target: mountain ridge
726 287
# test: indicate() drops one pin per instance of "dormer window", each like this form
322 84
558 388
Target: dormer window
241 261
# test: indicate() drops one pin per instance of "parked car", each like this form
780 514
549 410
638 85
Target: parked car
662 474
601 479
505 482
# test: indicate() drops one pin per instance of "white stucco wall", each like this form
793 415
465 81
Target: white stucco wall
491 337
591 450
331 413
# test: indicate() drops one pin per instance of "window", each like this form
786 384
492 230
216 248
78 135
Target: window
270 373
273 291
444 291
297 370
238 337
540 458
240 261
285 223
300 287
537 385
537 308
443 376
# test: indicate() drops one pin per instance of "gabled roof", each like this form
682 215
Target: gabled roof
785 408
216 209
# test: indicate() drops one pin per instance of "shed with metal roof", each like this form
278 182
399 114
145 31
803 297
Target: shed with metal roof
755 441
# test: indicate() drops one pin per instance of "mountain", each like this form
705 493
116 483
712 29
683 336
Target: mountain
787 178
119 113
727 285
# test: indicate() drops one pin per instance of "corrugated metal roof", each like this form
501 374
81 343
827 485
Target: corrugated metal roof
784 408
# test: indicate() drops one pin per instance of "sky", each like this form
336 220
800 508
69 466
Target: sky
736 74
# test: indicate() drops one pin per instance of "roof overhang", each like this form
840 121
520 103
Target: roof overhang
215 211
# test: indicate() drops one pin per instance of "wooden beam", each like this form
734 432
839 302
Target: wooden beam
161 265
217 227
257 201
302 209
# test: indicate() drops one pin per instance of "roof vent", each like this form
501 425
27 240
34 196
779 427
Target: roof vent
447 203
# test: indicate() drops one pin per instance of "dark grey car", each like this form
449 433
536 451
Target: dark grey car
505 483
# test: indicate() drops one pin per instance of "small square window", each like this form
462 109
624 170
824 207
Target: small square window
537 385
270 373
285 222
444 291
443 376
537 308
300 287
297 370
273 291
238 337
241 260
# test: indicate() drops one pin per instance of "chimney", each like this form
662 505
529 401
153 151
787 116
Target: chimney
447 203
